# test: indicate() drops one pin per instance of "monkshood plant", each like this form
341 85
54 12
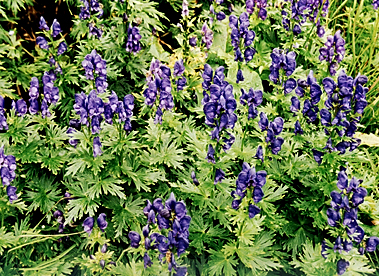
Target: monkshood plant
245 112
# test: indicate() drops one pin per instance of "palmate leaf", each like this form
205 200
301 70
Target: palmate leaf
257 257
125 213
43 194
81 204
203 232
53 160
140 176
7 239
219 264
168 154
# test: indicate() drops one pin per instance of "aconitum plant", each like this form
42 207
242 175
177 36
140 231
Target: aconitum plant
172 219
8 174
273 129
159 84
249 185
333 52
343 214
260 5
133 40
281 60
241 31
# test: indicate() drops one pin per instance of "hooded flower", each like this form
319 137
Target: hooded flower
88 225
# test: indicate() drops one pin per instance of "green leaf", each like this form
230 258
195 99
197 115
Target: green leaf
220 264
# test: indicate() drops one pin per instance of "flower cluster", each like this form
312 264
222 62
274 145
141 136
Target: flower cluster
133 40
85 13
242 31
219 109
375 4
260 4
173 217
251 182
343 102
50 92
207 36
56 29
93 63
252 99
333 51
92 107
158 81
273 129
178 72
89 222
33 94
303 10
3 119
220 105
280 59
7 173
344 213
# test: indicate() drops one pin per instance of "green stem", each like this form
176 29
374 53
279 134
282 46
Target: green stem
48 263
243 138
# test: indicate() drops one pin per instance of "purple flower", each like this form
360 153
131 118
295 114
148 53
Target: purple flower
192 41
296 29
101 222
259 153
135 239
194 179
253 210
11 192
185 12
333 217
239 76
42 24
146 258
62 48
276 145
178 68
263 122
207 36
372 243
317 155
210 155
88 225
97 147
21 107
220 16
220 175
42 43
56 28
289 86
342 180
249 54
342 265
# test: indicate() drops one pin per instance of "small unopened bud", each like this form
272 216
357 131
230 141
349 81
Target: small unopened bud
104 248
125 17
102 264
92 257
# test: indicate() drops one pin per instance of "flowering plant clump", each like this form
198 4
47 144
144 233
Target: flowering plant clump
251 113
173 217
